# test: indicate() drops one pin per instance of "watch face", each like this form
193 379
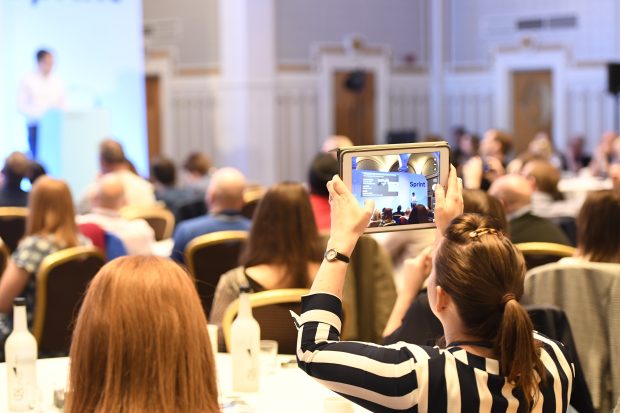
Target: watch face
330 255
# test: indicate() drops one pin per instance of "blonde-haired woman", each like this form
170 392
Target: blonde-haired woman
50 227
141 344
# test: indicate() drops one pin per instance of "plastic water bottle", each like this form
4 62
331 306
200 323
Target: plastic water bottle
245 347
21 359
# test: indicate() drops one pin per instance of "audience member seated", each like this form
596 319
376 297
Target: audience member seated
140 343
50 227
547 201
110 244
15 169
375 219
489 336
540 147
477 201
469 146
575 156
419 215
604 154
387 218
398 214
224 199
164 177
112 160
480 171
136 234
418 324
284 248
598 224
334 142
515 193
614 175
35 170
197 170
322 169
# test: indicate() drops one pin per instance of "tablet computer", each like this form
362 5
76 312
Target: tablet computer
400 179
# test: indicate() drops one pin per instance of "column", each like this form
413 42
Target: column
247 89
3 87
437 68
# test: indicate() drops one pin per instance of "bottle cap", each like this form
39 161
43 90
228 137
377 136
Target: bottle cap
245 289
19 301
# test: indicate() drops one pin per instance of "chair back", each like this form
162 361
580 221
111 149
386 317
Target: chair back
4 257
589 294
158 217
211 255
272 311
61 282
420 326
251 199
553 323
541 253
12 225
370 276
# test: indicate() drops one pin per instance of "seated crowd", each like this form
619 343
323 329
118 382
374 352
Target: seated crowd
445 324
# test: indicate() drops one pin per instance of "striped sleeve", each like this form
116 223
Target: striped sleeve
561 373
376 377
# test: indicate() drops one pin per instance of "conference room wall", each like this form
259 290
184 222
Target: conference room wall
99 56
469 100
2 71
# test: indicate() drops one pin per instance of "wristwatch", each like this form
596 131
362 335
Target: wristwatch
332 255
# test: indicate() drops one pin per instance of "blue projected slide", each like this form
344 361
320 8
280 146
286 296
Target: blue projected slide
401 185
389 189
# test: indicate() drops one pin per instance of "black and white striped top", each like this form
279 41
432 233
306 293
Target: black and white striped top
407 377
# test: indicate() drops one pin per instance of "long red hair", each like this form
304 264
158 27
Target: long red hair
141 343
51 211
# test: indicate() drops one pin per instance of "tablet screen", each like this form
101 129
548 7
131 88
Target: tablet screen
402 186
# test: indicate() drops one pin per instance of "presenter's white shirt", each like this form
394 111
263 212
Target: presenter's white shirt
38 94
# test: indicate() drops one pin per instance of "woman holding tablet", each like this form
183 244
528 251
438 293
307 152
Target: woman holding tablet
492 361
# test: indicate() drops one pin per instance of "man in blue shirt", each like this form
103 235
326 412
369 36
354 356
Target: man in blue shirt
224 199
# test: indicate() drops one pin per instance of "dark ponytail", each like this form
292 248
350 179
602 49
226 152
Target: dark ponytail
483 272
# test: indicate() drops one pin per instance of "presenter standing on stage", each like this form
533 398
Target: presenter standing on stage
40 91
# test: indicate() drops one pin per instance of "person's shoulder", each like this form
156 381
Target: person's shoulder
192 225
234 276
553 347
133 179
29 78
84 241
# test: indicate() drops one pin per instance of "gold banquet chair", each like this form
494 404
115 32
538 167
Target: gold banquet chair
61 282
12 225
4 257
271 310
211 255
158 217
541 253
251 199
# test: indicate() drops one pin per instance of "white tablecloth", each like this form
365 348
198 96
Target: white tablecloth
577 188
288 389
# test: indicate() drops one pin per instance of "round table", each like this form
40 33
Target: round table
287 389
